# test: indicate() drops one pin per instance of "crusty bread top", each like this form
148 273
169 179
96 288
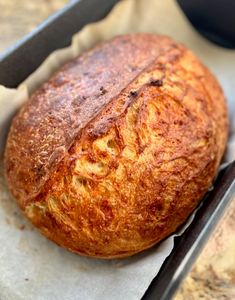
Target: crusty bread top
114 152
68 102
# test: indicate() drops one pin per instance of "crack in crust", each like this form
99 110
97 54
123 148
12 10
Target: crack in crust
141 161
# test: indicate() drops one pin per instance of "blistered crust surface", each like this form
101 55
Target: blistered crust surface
47 125
140 165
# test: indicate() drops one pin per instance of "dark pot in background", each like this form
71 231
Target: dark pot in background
215 19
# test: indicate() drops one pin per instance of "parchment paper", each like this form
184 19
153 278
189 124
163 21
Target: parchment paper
33 268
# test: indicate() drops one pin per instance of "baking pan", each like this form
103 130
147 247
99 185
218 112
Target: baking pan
56 32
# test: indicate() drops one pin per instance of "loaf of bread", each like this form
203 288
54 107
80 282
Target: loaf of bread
113 153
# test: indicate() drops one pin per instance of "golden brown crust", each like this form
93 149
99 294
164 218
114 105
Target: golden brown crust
116 150
47 125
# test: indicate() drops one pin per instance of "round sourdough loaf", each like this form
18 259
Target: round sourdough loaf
114 152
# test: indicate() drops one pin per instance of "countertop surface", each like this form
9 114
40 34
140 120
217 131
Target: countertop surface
213 274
